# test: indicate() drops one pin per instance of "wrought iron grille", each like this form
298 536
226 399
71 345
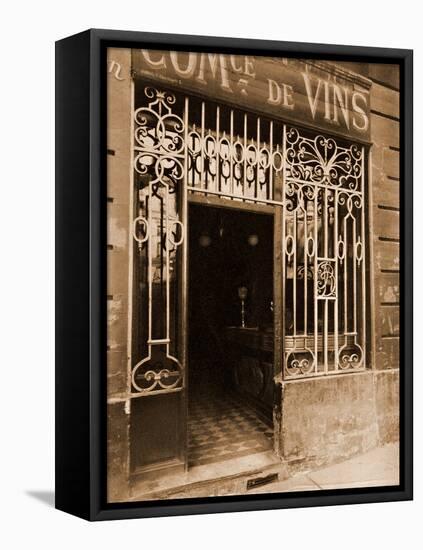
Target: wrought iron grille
234 154
324 260
159 234
185 145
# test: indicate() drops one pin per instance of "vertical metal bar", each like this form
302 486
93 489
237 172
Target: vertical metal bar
257 187
354 266
203 123
231 151
270 193
345 276
167 267
283 251
279 324
325 224
325 235
184 285
316 252
245 155
150 267
372 266
325 335
130 246
335 254
305 255
363 261
157 318
218 186
294 275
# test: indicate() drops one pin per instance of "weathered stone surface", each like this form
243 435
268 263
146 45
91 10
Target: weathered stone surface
117 452
385 131
117 323
328 419
387 353
385 187
385 100
386 223
321 421
389 289
387 405
385 74
391 163
116 373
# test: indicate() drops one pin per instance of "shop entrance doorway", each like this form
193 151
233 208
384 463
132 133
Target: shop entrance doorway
230 334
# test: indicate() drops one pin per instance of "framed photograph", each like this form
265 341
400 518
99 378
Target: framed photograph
234 274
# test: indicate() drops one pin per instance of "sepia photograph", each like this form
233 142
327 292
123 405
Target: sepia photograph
253 274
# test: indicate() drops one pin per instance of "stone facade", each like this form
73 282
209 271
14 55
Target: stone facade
322 420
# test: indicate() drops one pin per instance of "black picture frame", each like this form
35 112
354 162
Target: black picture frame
81 275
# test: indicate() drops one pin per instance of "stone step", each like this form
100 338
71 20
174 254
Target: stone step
228 477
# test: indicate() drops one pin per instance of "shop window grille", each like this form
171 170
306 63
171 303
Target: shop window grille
186 145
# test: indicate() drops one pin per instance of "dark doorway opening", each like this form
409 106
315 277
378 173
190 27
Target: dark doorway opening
230 300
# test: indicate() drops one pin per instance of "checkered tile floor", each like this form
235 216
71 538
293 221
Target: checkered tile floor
221 428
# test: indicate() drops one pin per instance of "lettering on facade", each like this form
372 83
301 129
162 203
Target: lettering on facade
115 68
293 88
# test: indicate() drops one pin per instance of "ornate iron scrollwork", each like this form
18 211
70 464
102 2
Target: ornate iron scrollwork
324 255
159 161
229 162
323 160
319 183
326 281
350 356
300 362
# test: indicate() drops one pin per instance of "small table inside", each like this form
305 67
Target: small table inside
249 356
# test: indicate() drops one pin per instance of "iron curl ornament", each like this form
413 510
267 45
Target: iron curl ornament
299 363
350 356
159 372
232 163
322 160
324 255
326 280
159 144
318 181
159 139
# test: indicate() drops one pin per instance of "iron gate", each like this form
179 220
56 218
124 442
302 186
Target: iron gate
184 145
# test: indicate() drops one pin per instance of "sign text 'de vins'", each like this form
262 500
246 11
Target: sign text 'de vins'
307 92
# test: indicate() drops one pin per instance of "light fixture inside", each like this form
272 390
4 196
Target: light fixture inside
253 239
204 240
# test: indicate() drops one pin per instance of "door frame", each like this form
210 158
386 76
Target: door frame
187 197
276 211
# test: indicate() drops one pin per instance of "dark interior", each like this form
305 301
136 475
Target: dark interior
228 249
230 377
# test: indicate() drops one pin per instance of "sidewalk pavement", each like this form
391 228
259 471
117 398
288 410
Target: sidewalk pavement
375 468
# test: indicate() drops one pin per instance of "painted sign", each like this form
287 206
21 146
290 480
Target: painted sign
312 93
